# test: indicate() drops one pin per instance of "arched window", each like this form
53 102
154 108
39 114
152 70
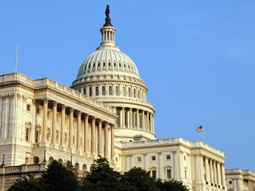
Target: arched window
134 93
138 94
98 65
90 91
97 91
119 64
110 90
129 92
117 90
124 91
103 90
85 90
118 118
109 63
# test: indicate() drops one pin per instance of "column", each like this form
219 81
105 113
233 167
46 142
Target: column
54 119
148 123
143 125
175 165
219 175
214 173
78 130
100 137
128 118
121 117
138 117
93 135
86 144
106 140
223 176
70 128
112 141
45 110
62 131
210 170
131 118
207 170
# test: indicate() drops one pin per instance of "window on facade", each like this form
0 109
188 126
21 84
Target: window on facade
103 90
168 157
38 111
184 157
118 117
138 94
134 93
114 64
154 173
90 91
153 157
27 134
117 90
104 64
185 173
89 66
109 63
230 182
97 91
79 90
119 64
85 91
98 65
37 136
139 159
129 92
28 107
124 65
94 65
116 159
168 173
110 90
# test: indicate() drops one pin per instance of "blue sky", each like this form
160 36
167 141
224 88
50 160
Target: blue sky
196 57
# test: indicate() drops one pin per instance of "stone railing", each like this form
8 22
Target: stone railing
172 141
39 83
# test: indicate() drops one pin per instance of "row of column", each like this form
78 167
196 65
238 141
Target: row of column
214 172
135 118
104 90
85 136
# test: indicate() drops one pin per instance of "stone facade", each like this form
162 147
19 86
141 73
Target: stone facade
240 180
105 112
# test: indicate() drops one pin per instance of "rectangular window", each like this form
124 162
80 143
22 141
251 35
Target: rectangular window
90 91
117 90
154 173
85 91
38 111
153 157
97 91
184 157
168 173
28 107
168 157
27 134
139 159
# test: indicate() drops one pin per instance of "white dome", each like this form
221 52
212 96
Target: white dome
105 61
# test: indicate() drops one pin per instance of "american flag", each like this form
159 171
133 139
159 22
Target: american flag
200 129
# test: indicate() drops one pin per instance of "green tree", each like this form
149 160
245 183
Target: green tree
59 177
28 182
138 179
102 177
170 185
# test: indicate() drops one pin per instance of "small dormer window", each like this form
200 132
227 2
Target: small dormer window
89 66
104 64
98 65
93 65
128 66
109 63
119 64
124 65
114 64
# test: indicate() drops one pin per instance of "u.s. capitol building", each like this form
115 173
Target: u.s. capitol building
104 112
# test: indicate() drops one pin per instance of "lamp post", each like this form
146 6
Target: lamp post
71 160
45 155
3 165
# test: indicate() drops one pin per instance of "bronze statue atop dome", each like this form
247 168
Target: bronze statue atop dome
107 11
107 14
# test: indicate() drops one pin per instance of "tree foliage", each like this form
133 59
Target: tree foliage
101 178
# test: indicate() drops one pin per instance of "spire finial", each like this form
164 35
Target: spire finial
107 19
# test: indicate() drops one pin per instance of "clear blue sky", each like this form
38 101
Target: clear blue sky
196 57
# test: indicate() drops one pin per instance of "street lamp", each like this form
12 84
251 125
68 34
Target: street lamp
45 155
71 160
3 165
